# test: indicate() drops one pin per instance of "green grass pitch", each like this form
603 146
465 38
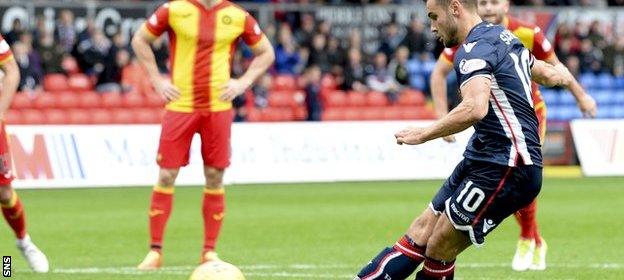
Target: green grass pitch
309 231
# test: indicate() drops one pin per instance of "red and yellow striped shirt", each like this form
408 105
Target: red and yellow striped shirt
5 51
202 42
531 37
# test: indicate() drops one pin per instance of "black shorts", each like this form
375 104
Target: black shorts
479 195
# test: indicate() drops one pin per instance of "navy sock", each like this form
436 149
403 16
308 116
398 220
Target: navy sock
397 262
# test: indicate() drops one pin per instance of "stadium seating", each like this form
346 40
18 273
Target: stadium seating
55 82
284 82
71 99
79 83
21 101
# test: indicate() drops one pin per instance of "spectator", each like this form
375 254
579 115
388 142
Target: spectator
91 53
118 42
591 57
355 39
16 32
381 80
398 67
29 79
109 80
39 31
355 73
318 54
614 55
287 60
324 28
33 55
415 40
304 34
51 54
87 32
65 32
312 90
595 35
336 55
261 92
393 37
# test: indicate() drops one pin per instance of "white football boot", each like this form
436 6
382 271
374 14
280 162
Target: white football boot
35 258
524 255
539 257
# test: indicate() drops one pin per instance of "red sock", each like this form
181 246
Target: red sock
536 235
160 209
527 222
407 247
213 212
13 213
436 270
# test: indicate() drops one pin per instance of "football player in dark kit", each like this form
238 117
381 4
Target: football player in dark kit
502 167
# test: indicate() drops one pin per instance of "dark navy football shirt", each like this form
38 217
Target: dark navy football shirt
508 135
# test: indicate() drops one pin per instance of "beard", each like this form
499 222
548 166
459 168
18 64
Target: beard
450 39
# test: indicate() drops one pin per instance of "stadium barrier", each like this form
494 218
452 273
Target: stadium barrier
600 146
124 155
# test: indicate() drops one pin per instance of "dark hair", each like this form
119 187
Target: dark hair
469 4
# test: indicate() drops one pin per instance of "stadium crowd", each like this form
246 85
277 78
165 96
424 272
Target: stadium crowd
306 50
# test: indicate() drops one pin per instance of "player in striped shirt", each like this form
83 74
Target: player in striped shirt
531 248
11 204
203 35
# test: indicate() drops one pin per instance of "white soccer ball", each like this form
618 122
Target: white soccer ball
217 270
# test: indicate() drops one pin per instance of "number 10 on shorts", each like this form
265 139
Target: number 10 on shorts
471 204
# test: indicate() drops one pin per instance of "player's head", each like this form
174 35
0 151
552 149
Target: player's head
445 16
493 11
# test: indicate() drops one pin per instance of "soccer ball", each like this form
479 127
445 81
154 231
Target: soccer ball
217 270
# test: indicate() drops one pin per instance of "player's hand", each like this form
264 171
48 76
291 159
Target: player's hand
411 136
166 89
587 104
234 88
449 138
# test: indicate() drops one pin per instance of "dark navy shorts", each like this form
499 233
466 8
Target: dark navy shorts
479 195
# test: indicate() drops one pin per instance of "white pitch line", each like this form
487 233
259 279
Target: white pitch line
297 271
284 274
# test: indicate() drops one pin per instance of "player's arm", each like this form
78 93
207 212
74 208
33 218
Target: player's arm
586 103
157 24
548 75
10 82
141 44
473 108
263 59
437 83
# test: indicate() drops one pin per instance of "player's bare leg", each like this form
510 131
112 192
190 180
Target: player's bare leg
421 228
13 213
159 212
400 260
444 244
213 211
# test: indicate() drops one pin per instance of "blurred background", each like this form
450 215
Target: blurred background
347 76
